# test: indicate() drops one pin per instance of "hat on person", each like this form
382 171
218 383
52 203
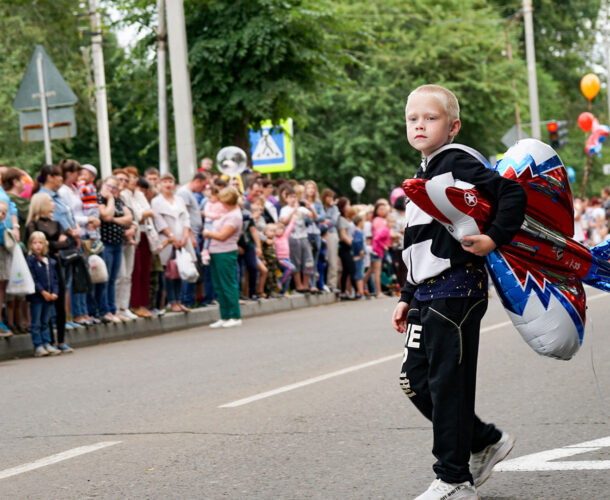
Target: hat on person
90 168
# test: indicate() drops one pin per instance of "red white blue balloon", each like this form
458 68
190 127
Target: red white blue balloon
539 275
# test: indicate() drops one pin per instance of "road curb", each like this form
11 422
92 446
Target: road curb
20 345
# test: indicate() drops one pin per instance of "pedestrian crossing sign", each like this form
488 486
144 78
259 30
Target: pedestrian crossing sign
272 147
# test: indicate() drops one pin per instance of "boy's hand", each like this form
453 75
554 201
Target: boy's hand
399 317
478 244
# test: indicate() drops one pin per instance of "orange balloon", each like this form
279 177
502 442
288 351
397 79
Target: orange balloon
589 85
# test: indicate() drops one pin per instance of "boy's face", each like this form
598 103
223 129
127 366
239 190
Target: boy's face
291 199
428 126
3 210
87 176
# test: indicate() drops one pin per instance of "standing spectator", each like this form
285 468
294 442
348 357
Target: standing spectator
5 266
128 178
358 255
17 310
187 194
272 206
152 176
12 219
142 269
70 194
381 241
116 217
300 251
223 252
42 208
314 233
90 208
332 238
172 222
46 285
345 247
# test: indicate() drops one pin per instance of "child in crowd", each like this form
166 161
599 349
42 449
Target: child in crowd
270 260
214 209
5 266
282 250
358 254
88 196
445 298
257 206
42 300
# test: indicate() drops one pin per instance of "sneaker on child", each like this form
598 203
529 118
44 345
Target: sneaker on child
483 462
40 351
52 350
440 490
64 348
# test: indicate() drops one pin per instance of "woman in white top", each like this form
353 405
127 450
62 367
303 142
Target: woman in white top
172 223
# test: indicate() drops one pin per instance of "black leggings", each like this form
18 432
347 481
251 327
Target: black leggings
60 303
347 263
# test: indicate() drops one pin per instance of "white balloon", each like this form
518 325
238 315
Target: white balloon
231 161
358 184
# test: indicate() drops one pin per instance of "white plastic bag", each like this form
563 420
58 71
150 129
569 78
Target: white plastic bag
97 269
20 281
186 266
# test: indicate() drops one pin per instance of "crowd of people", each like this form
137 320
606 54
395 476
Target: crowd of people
135 245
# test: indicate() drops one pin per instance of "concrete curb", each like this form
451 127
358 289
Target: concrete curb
20 346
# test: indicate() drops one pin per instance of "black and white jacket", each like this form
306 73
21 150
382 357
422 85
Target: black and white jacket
429 249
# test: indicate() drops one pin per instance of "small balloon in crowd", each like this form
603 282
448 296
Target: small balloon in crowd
358 184
571 174
585 121
396 193
231 161
589 85
28 185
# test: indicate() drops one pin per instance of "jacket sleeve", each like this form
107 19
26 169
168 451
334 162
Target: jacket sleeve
31 260
509 196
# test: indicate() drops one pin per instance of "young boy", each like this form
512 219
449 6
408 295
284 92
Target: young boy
358 254
88 196
445 297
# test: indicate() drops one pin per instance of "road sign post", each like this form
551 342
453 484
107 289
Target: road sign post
43 106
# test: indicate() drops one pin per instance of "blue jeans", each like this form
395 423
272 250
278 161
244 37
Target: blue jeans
104 292
208 286
173 289
78 304
40 311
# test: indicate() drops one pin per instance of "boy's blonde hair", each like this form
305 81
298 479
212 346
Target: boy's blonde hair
445 96
40 236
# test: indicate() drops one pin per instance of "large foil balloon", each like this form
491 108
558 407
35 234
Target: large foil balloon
231 161
589 85
358 183
539 275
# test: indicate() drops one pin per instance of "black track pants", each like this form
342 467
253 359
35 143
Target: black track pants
439 373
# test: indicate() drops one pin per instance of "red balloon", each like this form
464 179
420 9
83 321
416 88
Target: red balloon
585 121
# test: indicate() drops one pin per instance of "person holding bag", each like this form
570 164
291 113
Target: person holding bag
46 285
172 223
5 264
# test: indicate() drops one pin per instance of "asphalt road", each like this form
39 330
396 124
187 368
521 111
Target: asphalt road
167 416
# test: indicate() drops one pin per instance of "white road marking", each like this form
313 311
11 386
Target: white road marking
65 455
350 369
542 461
309 381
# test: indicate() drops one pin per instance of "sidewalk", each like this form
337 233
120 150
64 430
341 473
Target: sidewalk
20 345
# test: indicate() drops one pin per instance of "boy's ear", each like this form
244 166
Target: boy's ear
455 128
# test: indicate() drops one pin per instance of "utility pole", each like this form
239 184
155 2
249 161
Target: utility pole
606 31
162 89
509 56
43 109
101 105
181 91
531 68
